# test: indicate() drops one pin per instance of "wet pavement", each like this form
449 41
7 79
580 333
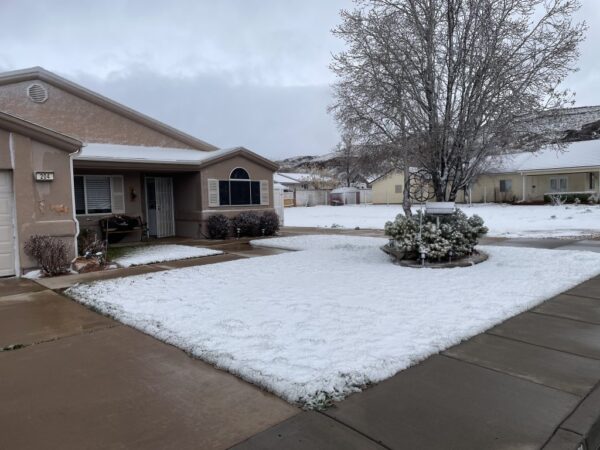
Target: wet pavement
73 379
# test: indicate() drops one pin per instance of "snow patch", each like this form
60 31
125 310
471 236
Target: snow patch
321 323
160 253
539 221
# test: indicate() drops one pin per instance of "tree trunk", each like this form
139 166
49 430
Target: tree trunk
406 192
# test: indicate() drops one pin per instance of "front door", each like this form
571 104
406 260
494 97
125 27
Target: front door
159 204
7 227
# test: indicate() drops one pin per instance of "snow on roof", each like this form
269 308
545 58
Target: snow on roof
141 154
302 177
575 155
278 178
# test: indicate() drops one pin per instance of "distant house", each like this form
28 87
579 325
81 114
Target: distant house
90 157
388 188
528 177
305 181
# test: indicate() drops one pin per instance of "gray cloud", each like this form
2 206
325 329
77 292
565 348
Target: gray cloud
232 72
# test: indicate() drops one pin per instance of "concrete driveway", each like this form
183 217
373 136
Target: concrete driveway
73 379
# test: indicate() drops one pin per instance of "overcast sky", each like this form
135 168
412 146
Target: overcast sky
232 72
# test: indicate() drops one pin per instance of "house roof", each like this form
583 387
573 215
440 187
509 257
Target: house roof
278 178
39 73
302 177
165 155
17 125
576 155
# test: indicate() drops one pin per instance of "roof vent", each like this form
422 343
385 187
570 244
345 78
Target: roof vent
37 93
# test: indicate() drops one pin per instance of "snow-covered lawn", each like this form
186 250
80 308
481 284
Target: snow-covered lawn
325 321
148 254
502 220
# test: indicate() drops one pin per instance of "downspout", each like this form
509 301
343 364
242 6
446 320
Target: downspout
524 177
73 206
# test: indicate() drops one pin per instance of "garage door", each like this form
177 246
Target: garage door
7 248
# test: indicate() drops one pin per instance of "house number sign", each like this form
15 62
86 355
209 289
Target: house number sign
44 176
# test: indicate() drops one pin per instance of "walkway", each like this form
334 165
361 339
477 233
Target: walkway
73 379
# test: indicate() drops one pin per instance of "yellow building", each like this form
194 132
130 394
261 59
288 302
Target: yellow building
528 177
388 189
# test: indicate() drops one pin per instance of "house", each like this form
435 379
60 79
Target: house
529 177
296 181
100 158
388 188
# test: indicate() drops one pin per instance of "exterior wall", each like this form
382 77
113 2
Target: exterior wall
384 189
74 116
44 208
221 171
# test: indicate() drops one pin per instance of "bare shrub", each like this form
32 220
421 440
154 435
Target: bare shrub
50 253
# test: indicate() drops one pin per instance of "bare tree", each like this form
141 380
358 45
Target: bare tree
447 83
348 157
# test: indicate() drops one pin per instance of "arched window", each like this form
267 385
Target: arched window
239 174
239 189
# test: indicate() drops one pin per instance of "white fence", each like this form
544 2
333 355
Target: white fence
314 197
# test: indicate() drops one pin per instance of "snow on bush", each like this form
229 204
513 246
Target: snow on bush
455 236
316 325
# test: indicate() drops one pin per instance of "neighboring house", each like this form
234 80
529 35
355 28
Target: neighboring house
527 177
130 163
388 188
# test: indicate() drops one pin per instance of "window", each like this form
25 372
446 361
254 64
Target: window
398 189
558 184
99 194
238 190
505 185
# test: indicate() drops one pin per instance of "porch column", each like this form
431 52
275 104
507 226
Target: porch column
524 189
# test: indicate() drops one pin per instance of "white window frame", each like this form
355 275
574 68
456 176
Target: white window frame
85 196
558 180
264 191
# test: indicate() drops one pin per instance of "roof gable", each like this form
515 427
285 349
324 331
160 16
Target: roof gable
38 73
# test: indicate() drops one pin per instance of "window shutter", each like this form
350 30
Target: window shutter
117 194
213 192
264 192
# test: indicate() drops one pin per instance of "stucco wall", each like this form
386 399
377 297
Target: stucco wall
221 171
43 208
384 189
74 116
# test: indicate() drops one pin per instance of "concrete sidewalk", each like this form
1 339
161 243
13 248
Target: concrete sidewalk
73 379
531 382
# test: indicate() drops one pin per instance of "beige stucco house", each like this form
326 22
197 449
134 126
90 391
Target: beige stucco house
520 177
105 158
528 177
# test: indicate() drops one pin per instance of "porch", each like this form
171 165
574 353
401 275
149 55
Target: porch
166 200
